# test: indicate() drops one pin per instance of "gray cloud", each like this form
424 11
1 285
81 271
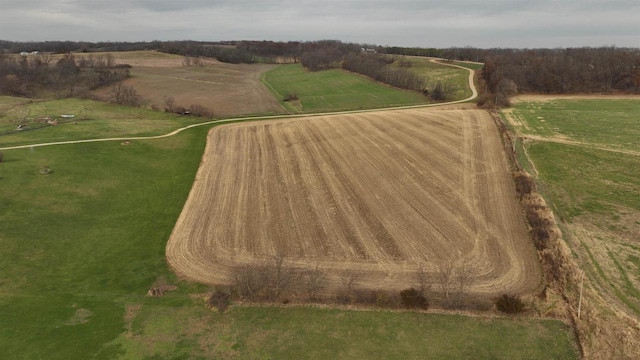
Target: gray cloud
497 23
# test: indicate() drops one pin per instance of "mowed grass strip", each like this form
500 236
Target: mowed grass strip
315 333
334 90
93 119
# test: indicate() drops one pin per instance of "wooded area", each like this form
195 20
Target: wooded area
36 74
506 71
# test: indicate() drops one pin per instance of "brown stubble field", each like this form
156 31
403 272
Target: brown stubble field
377 194
225 89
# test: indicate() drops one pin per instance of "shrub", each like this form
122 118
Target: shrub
45 170
125 95
438 93
509 304
291 97
525 185
219 299
200 111
411 298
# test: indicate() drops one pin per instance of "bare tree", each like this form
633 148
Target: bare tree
314 282
250 280
109 60
46 58
422 279
465 276
444 275
125 95
282 276
170 103
348 280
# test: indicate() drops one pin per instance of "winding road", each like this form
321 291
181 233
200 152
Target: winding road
254 118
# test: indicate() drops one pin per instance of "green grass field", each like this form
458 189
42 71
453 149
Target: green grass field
433 72
593 183
86 239
81 244
334 90
93 119
615 123
80 247
585 180
314 333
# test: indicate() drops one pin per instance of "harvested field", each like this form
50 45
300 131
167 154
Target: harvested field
374 194
224 89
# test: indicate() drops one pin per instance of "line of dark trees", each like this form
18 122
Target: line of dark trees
38 74
571 70
583 70
377 67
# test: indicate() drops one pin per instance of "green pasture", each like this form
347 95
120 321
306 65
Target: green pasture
93 119
334 90
80 247
78 244
586 180
433 73
615 123
590 184
317 333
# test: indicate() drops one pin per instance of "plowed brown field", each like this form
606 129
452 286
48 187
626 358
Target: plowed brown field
374 193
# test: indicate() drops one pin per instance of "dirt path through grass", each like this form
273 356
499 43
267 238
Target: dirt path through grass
472 97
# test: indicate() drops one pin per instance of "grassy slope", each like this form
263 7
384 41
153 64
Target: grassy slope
79 246
432 72
93 119
334 90
615 123
584 180
89 236
312 333
596 189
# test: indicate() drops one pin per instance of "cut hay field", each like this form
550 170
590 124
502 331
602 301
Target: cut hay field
225 89
376 194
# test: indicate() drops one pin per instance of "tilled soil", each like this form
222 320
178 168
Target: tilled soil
375 194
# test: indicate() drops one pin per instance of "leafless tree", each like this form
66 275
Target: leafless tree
348 280
422 280
445 277
464 278
46 58
282 276
125 95
250 280
109 60
170 103
314 281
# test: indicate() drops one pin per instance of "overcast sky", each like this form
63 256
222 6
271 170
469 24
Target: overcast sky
420 23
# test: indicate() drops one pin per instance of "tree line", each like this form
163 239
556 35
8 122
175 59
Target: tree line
571 70
377 67
34 75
